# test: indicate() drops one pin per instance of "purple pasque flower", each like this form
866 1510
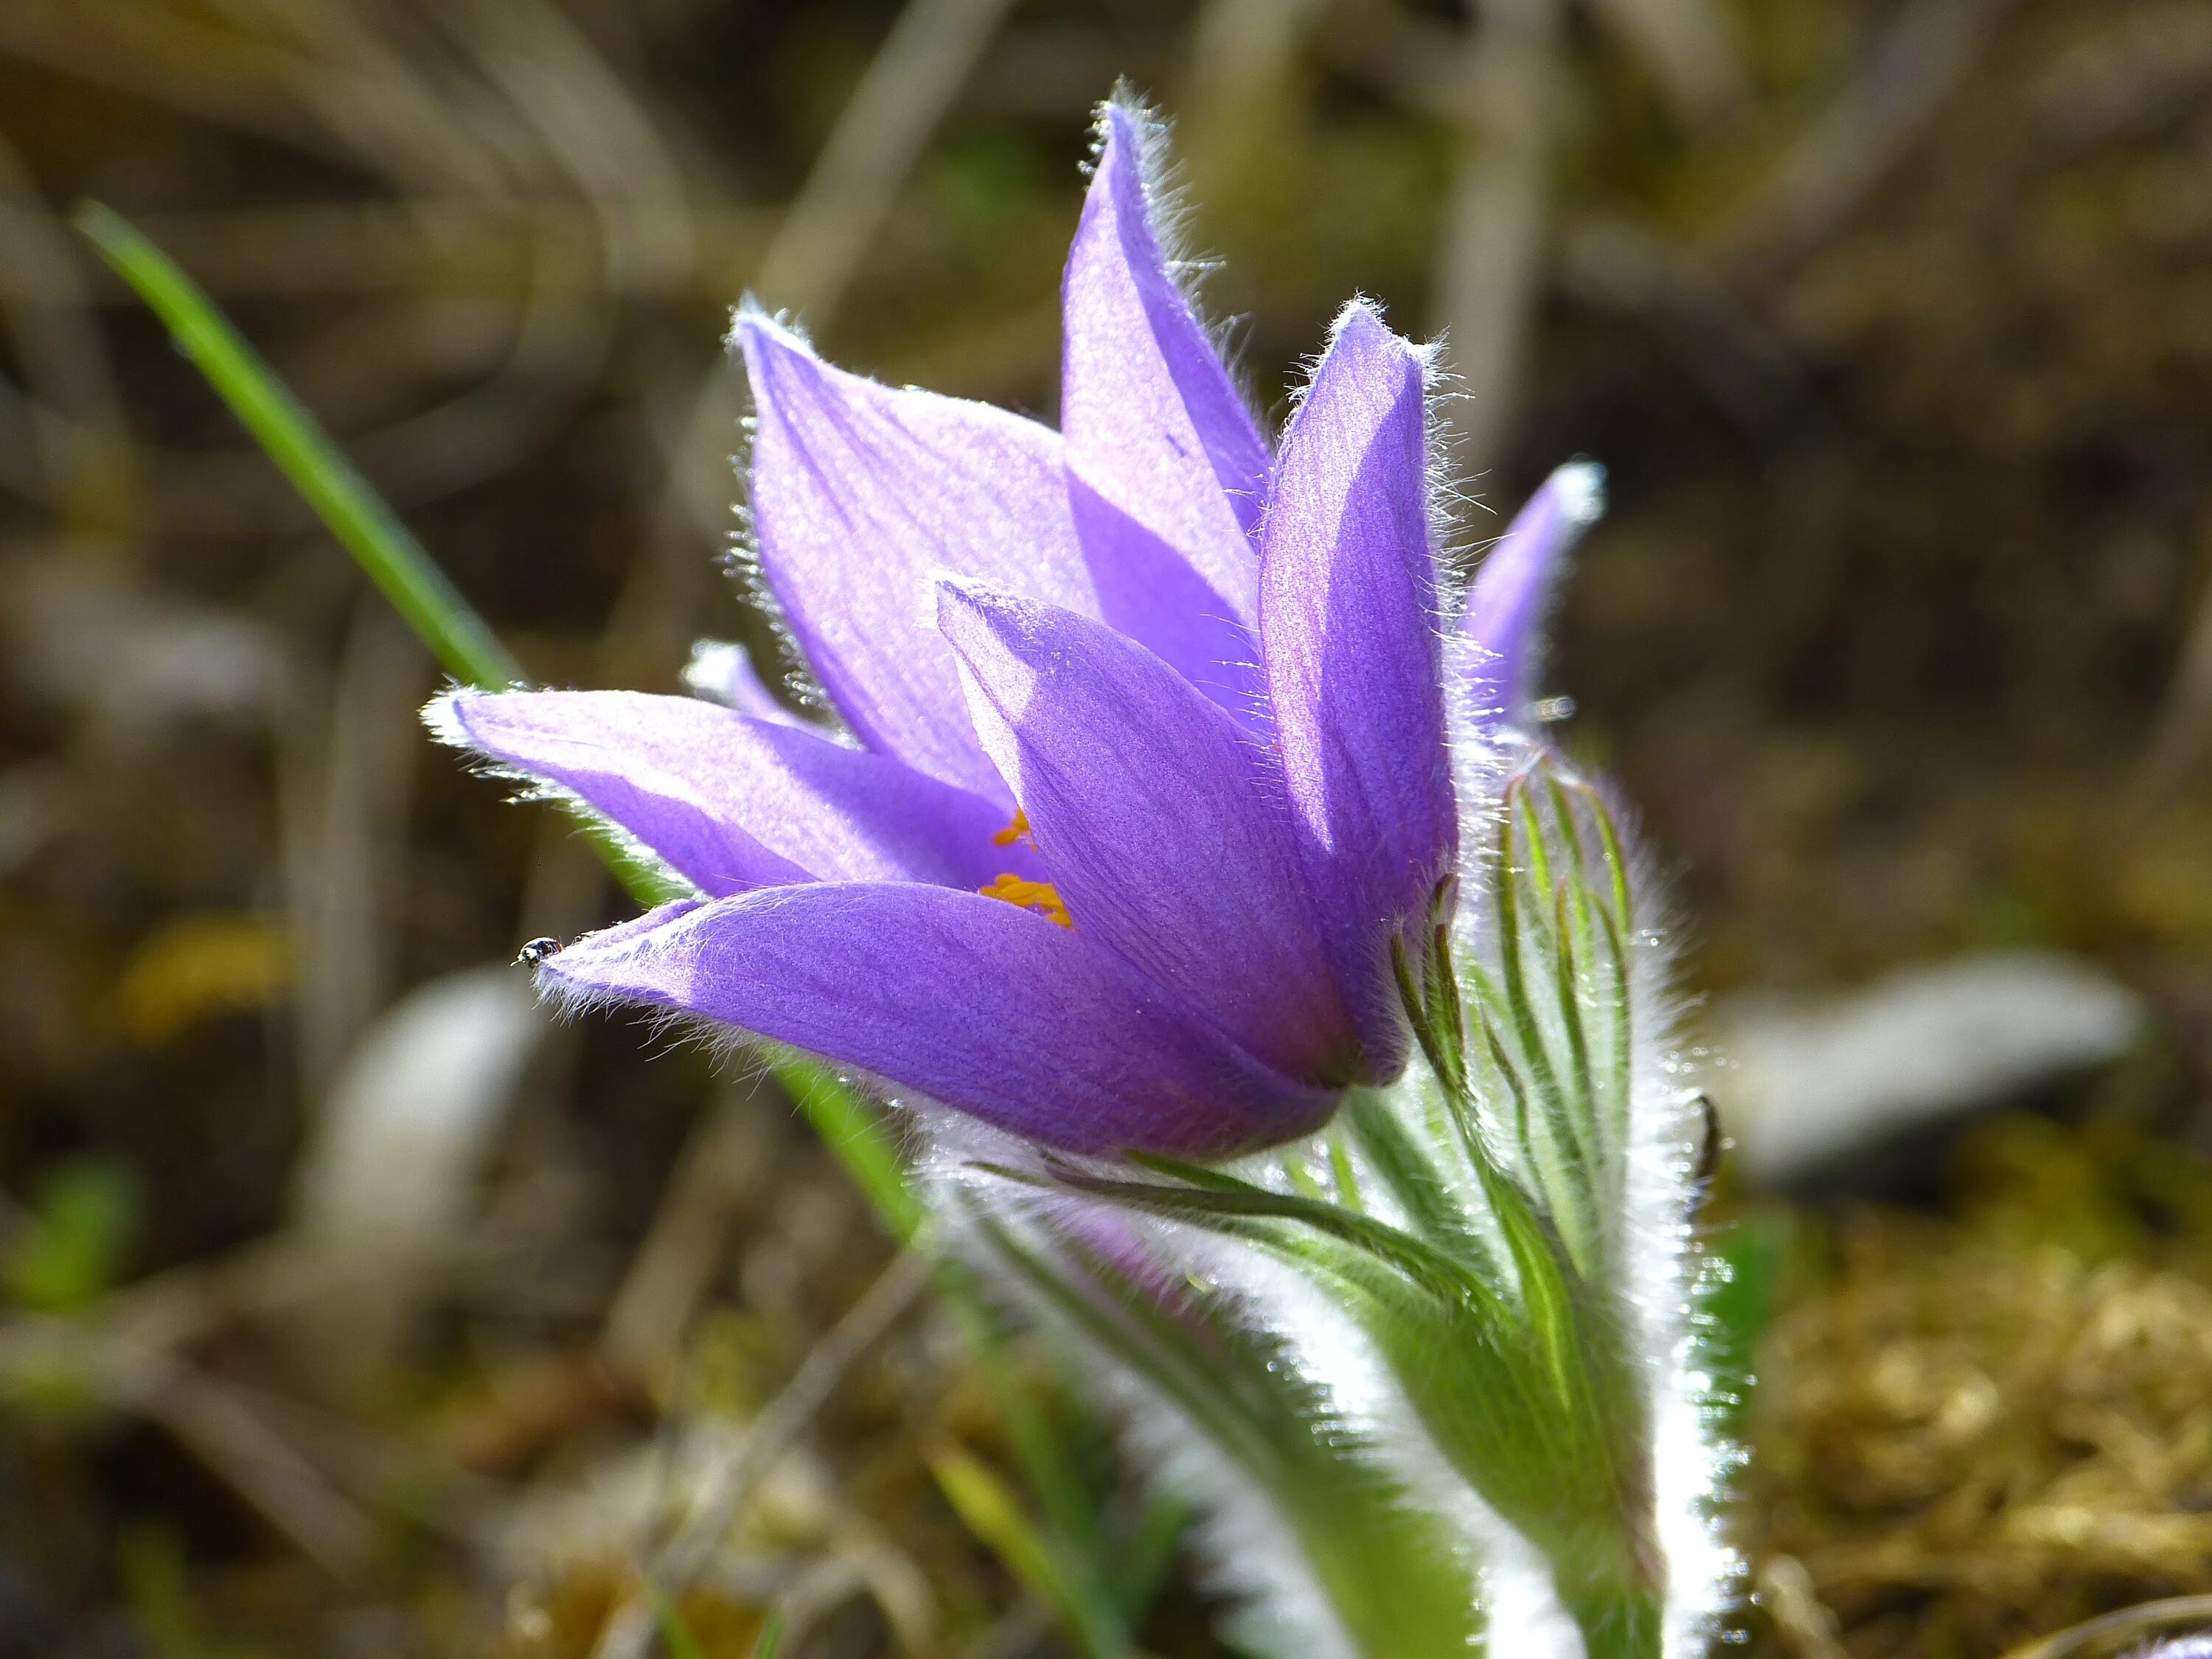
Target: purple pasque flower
1148 762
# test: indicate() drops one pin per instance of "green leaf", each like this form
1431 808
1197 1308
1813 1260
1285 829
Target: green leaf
1565 1173
1600 922
1490 1386
1419 1187
1567 986
1616 861
771 1636
1225 1195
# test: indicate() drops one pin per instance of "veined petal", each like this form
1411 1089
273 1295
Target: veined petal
1500 640
1349 641
984 1007
1148 811
860 493
1171 471
732 803
1149 592
1149 414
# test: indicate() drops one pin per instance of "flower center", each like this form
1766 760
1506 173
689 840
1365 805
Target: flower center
1041 896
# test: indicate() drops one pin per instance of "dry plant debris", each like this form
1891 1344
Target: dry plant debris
1971 1432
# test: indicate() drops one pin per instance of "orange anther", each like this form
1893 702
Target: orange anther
1041 896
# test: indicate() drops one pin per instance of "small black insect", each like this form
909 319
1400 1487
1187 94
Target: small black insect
1711 1141
536 952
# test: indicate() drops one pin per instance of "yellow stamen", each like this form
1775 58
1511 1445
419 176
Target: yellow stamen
1017 830
1041 896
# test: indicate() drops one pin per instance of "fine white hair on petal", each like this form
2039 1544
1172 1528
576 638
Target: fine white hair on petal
741 562
1452 500
1439 496
744 1057
438 716
445 724
748 308
1308 366
1168 212
668 1030
1435 475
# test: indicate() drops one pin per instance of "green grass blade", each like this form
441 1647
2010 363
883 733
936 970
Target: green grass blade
675 1635
1085 1565
394 560
989 1510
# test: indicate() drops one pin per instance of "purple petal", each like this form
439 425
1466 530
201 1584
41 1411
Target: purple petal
860 493
1172 470
1500 641
1348 630
978 1005
1148 811
731 803
1149 592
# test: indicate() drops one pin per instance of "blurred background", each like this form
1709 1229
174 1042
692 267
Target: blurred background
352 1308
